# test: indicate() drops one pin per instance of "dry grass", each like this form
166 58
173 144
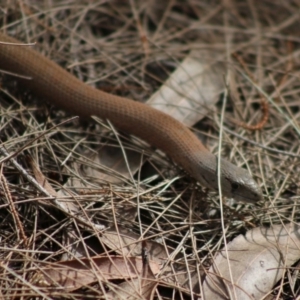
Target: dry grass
129 48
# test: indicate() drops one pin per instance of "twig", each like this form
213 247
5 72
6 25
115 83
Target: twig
13 209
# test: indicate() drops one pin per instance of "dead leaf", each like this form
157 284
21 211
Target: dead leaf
130 244
74 274
256 261
192 89
134 289
142 287
65 205
110 158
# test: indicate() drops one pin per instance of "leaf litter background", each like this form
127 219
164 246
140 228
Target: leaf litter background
139 227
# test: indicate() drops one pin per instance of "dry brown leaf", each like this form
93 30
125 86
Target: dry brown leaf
67 206
192 89
110 158
130 244
40 178
125 243
136 289
257 261
142 287
73 274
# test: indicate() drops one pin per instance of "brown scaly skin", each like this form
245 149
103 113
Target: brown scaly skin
54 84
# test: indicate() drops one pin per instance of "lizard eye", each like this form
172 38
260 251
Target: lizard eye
234 186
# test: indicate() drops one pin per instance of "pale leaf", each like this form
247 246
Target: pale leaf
192 89
257 262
